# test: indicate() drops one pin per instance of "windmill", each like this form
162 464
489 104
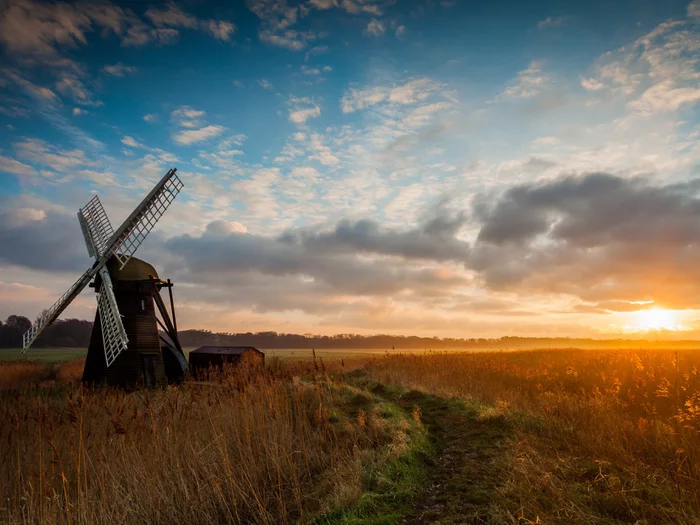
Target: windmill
126 347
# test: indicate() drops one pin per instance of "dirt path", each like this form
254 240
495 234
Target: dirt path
468 465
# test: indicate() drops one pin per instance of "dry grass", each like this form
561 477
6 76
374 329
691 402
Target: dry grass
25 374
250 448
598 437
601 436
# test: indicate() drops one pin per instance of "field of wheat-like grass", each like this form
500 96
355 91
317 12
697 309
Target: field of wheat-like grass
600 436
245 447
582 437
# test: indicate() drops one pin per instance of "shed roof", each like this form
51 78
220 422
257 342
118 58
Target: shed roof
229 350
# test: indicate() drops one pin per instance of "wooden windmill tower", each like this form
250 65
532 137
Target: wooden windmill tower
126 347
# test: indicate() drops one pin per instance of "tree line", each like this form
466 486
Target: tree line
75 333
64 333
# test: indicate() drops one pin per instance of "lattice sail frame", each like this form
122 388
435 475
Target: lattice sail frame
49 316
98 231
145 217
96 227
114 337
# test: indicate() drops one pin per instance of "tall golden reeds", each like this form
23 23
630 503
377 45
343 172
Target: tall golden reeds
246 446
598 433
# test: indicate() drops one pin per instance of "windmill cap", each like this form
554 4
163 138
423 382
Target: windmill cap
134 270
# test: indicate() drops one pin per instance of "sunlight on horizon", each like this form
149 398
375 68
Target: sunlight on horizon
653 319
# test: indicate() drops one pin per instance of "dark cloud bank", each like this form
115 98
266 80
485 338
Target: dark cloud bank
604 239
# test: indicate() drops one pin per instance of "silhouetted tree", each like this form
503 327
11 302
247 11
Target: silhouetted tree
19 322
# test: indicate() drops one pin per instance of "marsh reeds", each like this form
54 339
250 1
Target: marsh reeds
243 446
600 436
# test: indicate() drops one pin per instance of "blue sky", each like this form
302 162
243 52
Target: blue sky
435 167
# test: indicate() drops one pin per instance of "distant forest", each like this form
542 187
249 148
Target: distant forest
69 333
75 333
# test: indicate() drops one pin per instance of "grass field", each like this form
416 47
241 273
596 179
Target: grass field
56 355
50 355
547 436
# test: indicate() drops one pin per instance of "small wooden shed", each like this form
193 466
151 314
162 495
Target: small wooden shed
215 356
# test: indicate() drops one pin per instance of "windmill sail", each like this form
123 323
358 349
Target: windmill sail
98 231
132 233
114 336
96 227
50 315
103 244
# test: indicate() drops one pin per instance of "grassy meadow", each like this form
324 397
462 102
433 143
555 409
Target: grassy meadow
541 436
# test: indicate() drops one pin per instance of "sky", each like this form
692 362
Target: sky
435 167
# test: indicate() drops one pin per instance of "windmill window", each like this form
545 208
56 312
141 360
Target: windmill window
143 305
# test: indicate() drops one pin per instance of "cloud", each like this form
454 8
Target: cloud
410 92
141 34
71 86
150 117
129 141
547 141
47 29
302 110
529 83
400 31
694 9
190 136
187 117
171 16
193 120
551 21
38 92
598 237
277 21
290 39
310 70
265 84
63 161
375 28
290 266
657 73
665 96
221 227
79 111
591 84
118 70
220 29
9 165
432 240
300 116
37 28
28 235
353 7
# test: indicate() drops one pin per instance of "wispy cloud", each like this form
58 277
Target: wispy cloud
119 70
551 21
375 28
190 136
302 109
529 83
44 29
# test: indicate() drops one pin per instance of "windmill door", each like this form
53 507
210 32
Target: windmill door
149 370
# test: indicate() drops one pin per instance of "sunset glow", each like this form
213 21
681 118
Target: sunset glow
656 319
435 168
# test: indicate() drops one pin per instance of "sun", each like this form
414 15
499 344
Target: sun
655 319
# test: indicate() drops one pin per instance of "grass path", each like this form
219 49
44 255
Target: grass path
468 464
455 479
